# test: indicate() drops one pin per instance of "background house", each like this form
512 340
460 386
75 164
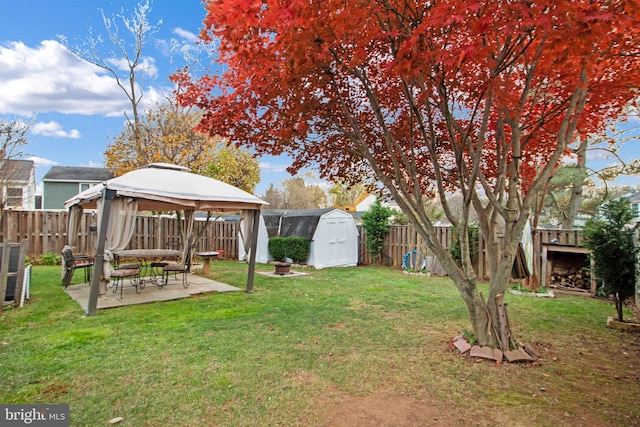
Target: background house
18 184
63 182
634 199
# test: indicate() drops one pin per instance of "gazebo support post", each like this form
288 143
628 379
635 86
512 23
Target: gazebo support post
98 264
254 247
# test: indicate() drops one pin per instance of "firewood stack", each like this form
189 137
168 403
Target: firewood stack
571 279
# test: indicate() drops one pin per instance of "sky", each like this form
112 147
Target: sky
77 108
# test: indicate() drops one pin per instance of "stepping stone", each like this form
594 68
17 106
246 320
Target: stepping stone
462 345
513 356
485 353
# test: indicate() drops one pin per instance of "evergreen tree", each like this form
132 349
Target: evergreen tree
610 237
375 222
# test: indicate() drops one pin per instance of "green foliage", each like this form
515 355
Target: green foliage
520 288
400 218
610 237
455 249
234 166
344 196
277 248
294 247
375 222
49 259
468 335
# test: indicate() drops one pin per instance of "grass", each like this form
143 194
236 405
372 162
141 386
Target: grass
292 351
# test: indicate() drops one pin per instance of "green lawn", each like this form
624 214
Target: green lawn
291 352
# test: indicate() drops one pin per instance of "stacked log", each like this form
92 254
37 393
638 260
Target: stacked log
571 279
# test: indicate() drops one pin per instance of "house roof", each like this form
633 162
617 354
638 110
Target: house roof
77 174
633 196
17 170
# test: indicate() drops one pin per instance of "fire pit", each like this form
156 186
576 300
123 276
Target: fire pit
283 268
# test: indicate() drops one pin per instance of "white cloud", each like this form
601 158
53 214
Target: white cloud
49 78
595 155
186 35
92 164
41 162
146 65
267 167
185 47
53 129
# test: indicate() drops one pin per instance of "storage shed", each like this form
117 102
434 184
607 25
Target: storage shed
332 233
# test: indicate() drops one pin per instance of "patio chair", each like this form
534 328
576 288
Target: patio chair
120 274
159 265
176 267
71 263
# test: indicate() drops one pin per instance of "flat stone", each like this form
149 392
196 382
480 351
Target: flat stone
483 353
497 354
462 345
513 356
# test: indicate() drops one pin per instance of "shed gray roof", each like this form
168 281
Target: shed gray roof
77 174
299 222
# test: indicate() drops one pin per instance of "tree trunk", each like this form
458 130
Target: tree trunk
619 307
478 314
577 185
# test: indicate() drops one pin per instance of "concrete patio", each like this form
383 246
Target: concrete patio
151 293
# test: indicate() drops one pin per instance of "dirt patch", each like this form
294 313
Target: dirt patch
389 409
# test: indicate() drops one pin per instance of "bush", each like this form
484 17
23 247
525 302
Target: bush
375 222
610 237
276 248
294 247
456 251
50 259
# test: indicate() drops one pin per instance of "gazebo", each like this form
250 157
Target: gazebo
157 187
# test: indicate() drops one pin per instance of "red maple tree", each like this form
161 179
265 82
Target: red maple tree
424 98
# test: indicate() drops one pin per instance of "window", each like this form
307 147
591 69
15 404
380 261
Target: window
84 186
14 197
634 208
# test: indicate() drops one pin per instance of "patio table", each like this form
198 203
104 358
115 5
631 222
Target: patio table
146 255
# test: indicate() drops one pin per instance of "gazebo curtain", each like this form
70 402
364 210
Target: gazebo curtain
122 225
73 224
246 225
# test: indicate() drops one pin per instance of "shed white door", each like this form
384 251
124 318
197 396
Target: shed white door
338 253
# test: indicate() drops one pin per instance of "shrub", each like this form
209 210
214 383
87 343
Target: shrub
456 251
50 259
298 248
375 222
276 248
610 237
294 247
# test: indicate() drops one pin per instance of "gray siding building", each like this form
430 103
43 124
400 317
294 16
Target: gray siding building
63 182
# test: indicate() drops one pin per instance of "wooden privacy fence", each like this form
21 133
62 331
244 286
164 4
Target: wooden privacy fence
402 239
46 232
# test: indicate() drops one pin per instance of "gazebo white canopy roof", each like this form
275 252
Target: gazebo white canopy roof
164 187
